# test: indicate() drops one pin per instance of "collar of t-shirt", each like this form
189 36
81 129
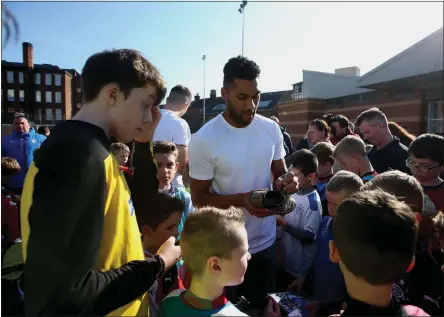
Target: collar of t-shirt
357 308
198 303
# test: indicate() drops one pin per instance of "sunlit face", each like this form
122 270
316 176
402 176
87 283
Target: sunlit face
304 181
424 169
122 157
165 230
232 270
166 168
128 115
241 99
314 135
21 125
350 163
334 199
370 132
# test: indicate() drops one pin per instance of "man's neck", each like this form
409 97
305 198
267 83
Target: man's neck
365 168
205 288
379 296
173 109
386 139
94 114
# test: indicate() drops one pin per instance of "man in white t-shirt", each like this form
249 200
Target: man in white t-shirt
174 129
230 157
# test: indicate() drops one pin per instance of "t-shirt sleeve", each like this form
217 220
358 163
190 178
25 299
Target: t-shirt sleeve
199 159
279 149
313 215
181 133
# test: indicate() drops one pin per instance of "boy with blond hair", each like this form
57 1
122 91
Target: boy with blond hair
214 248
328 298
350 152
371 263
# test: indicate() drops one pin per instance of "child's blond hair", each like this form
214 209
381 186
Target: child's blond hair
208 232
350 145
10 166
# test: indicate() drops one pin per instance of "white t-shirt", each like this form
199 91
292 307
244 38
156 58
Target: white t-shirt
174 129
238 160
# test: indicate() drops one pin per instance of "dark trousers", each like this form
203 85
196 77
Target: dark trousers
258 281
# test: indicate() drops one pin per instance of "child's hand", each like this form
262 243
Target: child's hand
147 132
280 221
297 284
272 309
169 252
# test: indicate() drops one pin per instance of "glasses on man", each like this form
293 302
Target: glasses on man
424 168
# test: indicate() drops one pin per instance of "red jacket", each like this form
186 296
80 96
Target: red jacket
10 219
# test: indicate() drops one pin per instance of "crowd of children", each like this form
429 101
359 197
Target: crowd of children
357 242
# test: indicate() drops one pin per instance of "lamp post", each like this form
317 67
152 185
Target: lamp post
203 119
242 11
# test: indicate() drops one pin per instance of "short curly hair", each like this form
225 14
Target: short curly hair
240 67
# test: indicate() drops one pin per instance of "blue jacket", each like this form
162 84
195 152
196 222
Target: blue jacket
21 146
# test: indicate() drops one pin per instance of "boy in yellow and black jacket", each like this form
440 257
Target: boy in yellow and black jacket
81 242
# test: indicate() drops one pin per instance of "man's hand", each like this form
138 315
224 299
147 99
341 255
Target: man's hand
272 309
297 284
287 183
281 221
148 128
169 252
258 212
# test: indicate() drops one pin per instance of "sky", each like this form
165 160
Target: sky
282 38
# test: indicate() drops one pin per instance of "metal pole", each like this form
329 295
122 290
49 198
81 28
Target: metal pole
243 26
204 110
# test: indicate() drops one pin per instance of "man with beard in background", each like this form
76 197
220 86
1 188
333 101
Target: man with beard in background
230 157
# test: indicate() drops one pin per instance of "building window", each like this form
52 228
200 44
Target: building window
436 117
59 115
10 77
38 114
21 78
48 115
79 90
38 79
58 80
79 105
38 96
22 95
48 79
48 97
11 94
58 97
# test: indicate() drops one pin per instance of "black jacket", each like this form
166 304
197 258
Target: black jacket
288 145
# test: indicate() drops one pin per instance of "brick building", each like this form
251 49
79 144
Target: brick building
408 88
215 105
43 92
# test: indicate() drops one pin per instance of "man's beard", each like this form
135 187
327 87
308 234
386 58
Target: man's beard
238 118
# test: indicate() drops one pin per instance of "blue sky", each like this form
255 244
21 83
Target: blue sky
283 38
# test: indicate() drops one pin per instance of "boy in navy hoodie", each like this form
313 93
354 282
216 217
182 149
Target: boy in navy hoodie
374 244
330 295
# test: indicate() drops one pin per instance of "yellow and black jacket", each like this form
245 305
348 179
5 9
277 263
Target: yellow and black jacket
81 242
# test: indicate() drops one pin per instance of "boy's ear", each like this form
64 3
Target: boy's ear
334 254
177 165
411 265
147 231
213 265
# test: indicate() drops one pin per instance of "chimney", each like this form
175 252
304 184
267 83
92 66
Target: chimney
213 94
28 55
348 71
197 97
